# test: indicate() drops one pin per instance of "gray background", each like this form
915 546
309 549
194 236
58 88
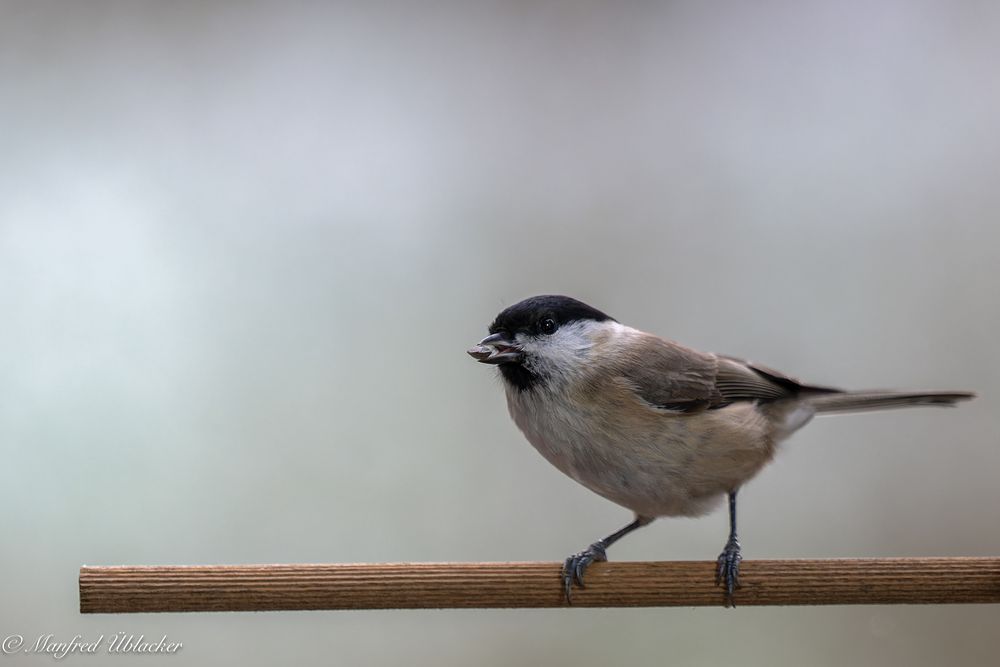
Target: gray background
243 249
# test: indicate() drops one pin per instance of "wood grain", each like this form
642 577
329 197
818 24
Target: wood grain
131 589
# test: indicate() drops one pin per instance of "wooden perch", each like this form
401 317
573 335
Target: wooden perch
127 589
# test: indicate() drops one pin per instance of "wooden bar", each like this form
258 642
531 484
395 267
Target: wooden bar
141 589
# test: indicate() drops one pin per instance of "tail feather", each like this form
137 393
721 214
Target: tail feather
880 399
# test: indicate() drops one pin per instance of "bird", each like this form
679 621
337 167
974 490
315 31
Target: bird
659 428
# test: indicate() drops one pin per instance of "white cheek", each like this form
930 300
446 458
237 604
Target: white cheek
561 356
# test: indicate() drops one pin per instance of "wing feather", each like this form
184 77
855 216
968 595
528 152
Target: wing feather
673 377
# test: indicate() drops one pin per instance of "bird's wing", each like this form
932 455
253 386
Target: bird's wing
670 376
739 379
673 377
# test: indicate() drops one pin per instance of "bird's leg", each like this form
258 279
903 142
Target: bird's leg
728 571
577 564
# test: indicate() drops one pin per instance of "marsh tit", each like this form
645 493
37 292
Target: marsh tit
659 428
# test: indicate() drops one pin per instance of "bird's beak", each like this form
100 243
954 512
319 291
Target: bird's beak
497 348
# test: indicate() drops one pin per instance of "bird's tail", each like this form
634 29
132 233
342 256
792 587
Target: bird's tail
883 399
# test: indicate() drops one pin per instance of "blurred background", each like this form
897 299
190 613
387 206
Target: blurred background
244 247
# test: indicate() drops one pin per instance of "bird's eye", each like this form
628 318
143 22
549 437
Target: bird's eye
547 326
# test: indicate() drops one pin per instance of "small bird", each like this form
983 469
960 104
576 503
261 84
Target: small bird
656 427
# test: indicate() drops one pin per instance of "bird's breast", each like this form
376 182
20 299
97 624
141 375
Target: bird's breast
650 461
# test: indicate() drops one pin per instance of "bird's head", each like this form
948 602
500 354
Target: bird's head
541 338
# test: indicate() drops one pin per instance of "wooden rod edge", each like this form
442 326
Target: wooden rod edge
142 589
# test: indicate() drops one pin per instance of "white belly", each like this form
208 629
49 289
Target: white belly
659 464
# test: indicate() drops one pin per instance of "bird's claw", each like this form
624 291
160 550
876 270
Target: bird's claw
577 564
727 572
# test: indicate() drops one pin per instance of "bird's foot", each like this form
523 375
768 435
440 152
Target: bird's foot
727 573
577 564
